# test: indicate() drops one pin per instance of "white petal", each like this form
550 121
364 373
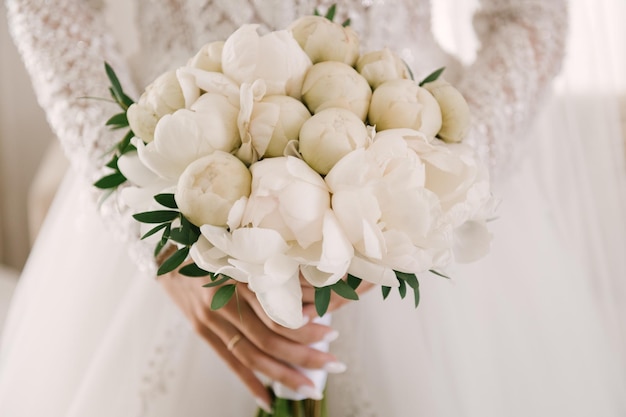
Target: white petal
371 272
283 304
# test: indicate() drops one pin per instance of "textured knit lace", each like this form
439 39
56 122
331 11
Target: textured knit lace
64 43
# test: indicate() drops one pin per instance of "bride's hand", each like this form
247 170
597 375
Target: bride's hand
249 342
336 301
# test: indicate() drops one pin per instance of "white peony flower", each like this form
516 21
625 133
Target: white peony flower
330 135
209 57
324 40
455 112
194 82
404 104
461 182
161 97
334 84
392 220
381 66
210 186
276 58
289 197
187 135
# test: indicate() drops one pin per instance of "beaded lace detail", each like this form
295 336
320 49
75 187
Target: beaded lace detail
64 43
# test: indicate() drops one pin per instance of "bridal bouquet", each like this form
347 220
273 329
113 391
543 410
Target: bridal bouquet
273 156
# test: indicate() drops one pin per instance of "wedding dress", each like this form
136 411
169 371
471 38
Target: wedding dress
91 333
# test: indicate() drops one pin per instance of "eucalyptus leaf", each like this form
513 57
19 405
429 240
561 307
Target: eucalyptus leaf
119 119
330 14
343 289
222 296
110 181
166 200
157 216
416 294
353 281
322 300
173 261
217 282
433 76
154 230
432 271
385 290
402 288
194 271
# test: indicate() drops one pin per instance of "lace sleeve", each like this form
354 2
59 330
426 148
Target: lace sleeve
64 44
522 46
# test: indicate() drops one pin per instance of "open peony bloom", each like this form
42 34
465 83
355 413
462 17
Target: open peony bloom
391 218
210 186
324 40
209 57
161 97
330 135
404 104
289 197
186 135
276 58
381 66
334 84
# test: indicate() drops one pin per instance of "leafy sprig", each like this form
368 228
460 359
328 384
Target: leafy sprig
330 14
433 76
117 121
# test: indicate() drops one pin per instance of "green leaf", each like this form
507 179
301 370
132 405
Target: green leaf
110 181
113 163
218 281
410 279
322 300
222 296
124 145
353 281
159 247
192 228
432 271
346 23
330 14
316 12
116 88
194 271
416 294
408 68
155 230
433 76
184 236
173 261
118 120
402 288
166 200
343 289
386 291
157 216
115 82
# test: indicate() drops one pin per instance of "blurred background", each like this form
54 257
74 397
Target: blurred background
593 83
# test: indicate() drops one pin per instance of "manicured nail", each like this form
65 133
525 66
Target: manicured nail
331 336
264 406
335 367
310 392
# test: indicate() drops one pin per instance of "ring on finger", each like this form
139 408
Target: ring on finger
233 342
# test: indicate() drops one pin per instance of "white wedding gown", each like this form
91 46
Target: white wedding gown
523 332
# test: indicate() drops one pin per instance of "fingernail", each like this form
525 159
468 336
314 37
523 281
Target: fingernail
310 392
264 406
331 336
335 367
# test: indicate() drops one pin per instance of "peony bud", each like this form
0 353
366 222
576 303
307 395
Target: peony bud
163 96
404 104
275 121
333 84
209 57
330 135
210 186
380 66
455 112
324 40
